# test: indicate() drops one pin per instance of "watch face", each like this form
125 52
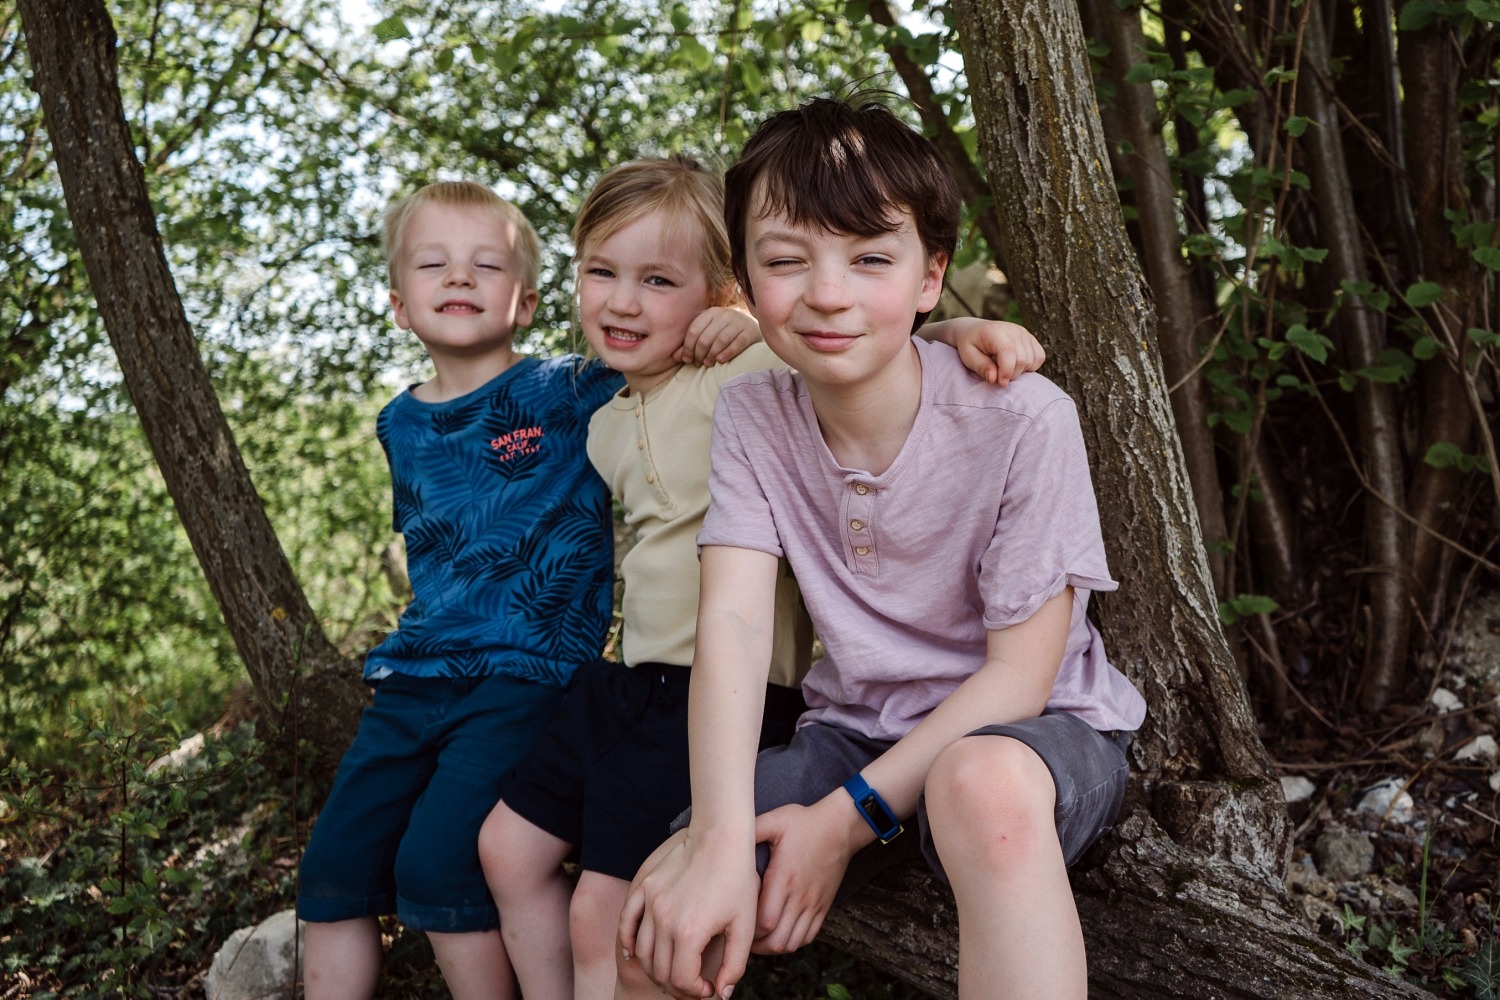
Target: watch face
872 808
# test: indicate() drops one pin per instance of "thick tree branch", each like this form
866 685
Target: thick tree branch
72 46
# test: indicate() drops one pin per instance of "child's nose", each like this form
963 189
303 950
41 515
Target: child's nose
459 274
828 290
624 300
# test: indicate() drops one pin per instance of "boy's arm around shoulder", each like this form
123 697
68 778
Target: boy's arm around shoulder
703 882
995 350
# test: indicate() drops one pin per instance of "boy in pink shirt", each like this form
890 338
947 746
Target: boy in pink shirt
945 537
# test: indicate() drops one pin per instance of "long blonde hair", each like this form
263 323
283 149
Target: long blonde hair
686 194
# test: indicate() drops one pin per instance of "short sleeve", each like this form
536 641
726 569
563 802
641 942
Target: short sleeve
594 383
739 513
1047 536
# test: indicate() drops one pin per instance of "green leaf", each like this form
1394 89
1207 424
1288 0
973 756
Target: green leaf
1443 455
693 53
1416 15
1141 73
1488 256
1245 606
443 61
1426 348
1388 374
1309 342
391 29
750 77
607 45
1423 294
681 19
1484 10
812 31
1482 338
1296 125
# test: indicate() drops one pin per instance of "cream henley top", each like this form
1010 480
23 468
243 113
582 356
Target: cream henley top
653 452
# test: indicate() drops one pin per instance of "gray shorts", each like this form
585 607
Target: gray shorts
1089 768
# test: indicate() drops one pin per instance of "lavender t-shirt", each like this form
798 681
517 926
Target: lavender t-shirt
987 512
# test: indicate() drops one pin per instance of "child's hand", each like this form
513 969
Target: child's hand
810 851
994 350
680 902
719 334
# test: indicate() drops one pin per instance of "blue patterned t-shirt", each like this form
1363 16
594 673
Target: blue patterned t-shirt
508 536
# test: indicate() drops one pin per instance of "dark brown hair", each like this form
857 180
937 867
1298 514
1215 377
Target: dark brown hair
845 168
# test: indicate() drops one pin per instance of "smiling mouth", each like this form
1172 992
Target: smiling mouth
458 307
826 339
615 333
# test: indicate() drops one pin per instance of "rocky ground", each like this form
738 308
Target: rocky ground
1397 848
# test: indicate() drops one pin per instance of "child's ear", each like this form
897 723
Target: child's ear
399 308
526 308
932 281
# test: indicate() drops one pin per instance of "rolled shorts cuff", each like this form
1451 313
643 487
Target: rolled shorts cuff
316 910
447 919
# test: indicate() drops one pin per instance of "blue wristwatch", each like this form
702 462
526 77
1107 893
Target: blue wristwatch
873 808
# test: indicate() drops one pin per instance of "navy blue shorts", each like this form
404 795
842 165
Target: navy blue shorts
1088 767
400 830
611 772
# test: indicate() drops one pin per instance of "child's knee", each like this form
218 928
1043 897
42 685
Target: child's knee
993 793
594 917
493 836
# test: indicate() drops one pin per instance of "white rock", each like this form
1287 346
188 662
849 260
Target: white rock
1387 798
1295 788
258 962
1482 747
187 751
1445 701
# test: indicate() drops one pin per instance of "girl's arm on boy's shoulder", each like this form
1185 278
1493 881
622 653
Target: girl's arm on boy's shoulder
719 334
812 845
702 883
995 350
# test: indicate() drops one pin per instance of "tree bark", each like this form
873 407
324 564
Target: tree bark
304 686
1185 319
1186 899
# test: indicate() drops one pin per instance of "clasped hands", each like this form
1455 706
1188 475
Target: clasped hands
697 902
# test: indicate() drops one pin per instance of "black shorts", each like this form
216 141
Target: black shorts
610 772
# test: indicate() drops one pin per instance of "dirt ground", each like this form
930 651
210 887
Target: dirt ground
1397 846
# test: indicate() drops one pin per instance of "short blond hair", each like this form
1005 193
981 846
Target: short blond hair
463 194
691 197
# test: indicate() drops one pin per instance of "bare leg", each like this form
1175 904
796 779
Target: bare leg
595 924
474 965
990 802
342 960
523 866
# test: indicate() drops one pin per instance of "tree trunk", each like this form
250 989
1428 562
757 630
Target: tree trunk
1186 899
1186 321
1362 336
304 686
